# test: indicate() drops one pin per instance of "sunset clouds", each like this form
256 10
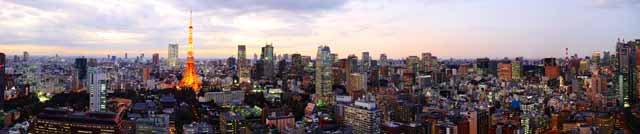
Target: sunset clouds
447 28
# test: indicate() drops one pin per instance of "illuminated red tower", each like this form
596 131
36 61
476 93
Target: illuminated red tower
190 78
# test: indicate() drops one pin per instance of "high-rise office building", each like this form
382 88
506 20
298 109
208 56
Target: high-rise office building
366 62
172 58
551 68
352 64
3 82
383 61
412 64
81 68
428 62
626 72
243 64
504 71
363 116
146 73
356 85
268 61
25 56
606 58
323 80
516 68
97 88
155 59
297 69
482 65
595 57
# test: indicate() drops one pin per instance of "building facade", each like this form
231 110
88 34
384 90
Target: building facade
323 80
172 58
97 88
364 117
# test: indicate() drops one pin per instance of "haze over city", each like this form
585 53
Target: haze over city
399 28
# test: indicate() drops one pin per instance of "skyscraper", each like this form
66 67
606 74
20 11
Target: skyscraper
268 61
352 64
551 68
504 71
356 85
25 56
3 83
155 59
243 64
366 62
626 72
81 68
323 80
425 63
172 58
97 88
516 68
189 76
595 57
383 60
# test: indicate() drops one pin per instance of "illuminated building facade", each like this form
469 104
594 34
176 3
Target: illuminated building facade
504 71
366 62
281 120
189 76
224 97
243 64
97 88
153 124
172 58
516 68
626 72
323 80
232 123
197 128
364 117
52 121
356 85
268 62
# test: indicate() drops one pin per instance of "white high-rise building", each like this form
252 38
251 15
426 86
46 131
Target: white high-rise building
97 88
172 58
363 116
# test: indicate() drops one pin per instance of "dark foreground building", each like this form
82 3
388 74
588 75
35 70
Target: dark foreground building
52 121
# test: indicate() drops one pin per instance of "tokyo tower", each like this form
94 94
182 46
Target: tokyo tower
190 78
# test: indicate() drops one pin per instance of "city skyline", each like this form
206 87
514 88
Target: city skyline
320 66
450 29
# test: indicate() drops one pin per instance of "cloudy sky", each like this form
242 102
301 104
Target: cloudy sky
399 28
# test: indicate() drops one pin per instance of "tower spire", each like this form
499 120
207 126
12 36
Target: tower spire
190 77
